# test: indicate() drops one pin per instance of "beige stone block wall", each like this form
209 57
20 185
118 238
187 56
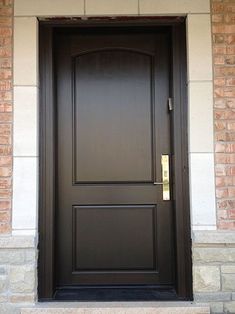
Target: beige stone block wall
214 270
18 273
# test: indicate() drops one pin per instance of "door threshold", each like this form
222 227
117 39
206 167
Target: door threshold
110 294
116 308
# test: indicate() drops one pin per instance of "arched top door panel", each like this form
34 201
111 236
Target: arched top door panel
113 49
113 116
141 43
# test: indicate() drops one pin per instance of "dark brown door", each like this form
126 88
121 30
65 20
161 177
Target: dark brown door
113 126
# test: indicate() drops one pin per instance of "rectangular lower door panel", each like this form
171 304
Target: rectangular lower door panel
114 238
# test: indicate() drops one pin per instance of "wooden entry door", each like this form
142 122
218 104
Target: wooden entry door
105 232
113 226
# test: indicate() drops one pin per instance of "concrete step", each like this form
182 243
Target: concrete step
117 308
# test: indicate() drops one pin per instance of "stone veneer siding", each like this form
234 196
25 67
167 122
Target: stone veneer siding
6 21
223 31
214 270
18 267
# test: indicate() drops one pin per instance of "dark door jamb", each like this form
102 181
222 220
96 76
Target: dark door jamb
47 153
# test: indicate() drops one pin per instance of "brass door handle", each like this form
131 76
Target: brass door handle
165 178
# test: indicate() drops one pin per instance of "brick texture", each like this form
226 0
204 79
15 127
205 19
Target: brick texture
223 32
6 29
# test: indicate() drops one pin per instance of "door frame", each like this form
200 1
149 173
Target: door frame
47 149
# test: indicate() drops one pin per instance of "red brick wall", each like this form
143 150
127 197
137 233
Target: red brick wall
223 32
6 21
